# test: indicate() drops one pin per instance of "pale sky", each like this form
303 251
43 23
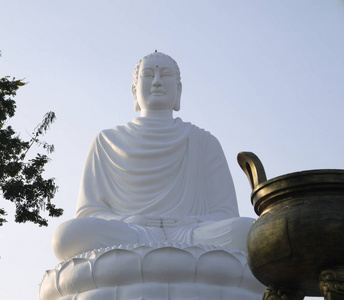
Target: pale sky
262 76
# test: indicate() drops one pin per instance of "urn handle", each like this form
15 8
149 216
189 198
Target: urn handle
252 167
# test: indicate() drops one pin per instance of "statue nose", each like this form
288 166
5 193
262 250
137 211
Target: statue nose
157 80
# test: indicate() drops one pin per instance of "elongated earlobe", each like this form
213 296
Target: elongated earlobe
133 92
177 105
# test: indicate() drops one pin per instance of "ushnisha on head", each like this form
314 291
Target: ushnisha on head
156 83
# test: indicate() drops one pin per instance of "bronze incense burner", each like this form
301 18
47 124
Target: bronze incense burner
296 246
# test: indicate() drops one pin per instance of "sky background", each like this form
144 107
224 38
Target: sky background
262 76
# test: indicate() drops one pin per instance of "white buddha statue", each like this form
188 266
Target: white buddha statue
156 179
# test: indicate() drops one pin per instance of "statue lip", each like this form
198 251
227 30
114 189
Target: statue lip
158 92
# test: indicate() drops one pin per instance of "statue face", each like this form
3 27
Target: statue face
157 86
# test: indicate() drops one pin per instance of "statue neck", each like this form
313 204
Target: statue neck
156 114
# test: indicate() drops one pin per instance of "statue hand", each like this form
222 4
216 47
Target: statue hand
164 222
182 221
150 221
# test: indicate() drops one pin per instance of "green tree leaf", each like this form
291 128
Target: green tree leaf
21 180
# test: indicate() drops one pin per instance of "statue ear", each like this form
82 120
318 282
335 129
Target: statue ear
136 104
179 94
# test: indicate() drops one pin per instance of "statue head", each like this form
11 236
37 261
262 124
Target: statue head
156 83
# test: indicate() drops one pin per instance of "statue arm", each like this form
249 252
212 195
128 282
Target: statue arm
93 193
220 191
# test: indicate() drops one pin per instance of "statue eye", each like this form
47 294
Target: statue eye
147 74
166 74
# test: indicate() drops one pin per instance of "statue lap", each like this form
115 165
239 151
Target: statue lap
85 234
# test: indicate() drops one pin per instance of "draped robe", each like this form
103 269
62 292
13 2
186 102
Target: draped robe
159 168
156 167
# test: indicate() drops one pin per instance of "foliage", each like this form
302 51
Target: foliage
21 180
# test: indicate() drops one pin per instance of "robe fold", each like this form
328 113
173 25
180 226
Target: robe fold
157 167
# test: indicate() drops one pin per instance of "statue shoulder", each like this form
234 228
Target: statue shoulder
204 134
210 141
112 131
109 135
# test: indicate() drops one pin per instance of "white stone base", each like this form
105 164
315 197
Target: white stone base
147 272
